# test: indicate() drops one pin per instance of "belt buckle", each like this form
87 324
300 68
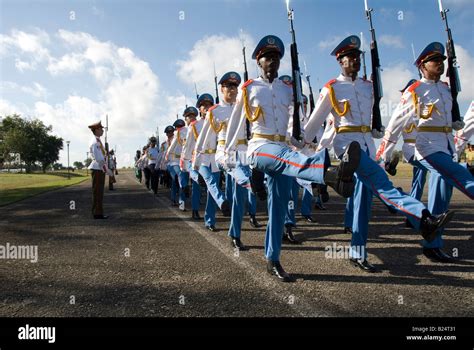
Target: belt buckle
446 129
278 138
365 128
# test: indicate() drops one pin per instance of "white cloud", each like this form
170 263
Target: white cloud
466 73
127 87
224 51
394 41
394 78
67 63
330 43
29 49
36 90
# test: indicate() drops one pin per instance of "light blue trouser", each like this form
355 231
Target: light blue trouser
252 201
418 181
292 203
371 179
444 175
214 195
196 189
278 197
229 187
241 174
183 182
173 170
238 205
280 163
306 203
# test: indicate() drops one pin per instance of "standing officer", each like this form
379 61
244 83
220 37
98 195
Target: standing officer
98 168
265 102
427 103
112 166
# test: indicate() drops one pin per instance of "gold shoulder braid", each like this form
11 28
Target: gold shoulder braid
409 129
334 103
217 129
248 113
195 132
180 141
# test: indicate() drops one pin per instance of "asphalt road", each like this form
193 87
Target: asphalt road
150 259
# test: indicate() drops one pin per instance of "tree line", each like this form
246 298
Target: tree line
31 140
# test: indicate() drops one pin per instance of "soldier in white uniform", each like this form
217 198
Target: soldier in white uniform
265 102
188 154
211 139
350 99
98 168
163 163
173 155
152 154
427 104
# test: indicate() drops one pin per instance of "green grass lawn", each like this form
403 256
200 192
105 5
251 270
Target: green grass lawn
15 187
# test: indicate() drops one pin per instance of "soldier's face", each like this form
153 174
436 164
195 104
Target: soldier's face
229 92
269 62
434 67
204 107
350 63
189 119
170 134
99 132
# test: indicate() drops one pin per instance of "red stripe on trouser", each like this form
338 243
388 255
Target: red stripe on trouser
462 188
318 166
392 203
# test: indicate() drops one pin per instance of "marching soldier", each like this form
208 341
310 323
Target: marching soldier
427 104
162 163
349 100
265 102
188 153
152 154
173 155
216 126
209 141
98 168
138 170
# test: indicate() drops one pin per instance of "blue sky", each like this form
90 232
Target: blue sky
69 63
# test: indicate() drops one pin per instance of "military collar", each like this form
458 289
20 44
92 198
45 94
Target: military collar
428 81
225 104
342 77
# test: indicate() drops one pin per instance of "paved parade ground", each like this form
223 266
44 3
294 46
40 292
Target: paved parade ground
149 259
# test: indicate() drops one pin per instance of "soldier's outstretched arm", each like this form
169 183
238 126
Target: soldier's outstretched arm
316 119
403 115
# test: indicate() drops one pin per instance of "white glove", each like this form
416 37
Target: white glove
298 144
378 134
458 125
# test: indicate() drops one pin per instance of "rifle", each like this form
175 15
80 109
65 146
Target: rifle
364 66
296 75
452 73
106 129
215 84
376 81
246 77
311 96
195 89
